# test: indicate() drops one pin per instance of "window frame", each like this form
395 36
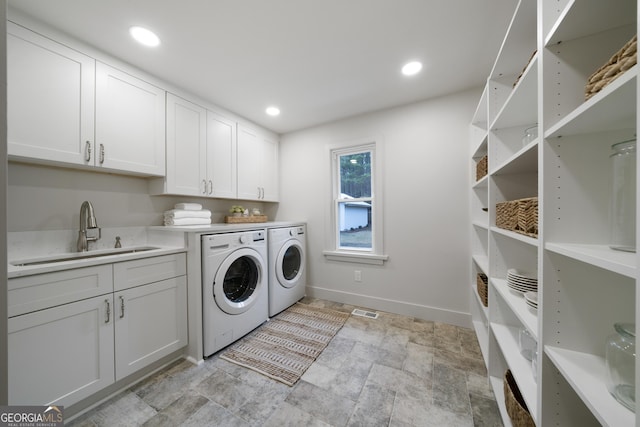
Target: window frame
335 252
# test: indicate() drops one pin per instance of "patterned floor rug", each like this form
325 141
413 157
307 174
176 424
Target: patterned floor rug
287 345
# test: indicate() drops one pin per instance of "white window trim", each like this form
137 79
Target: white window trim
376 254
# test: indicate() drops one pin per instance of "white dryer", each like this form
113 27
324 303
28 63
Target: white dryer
234 287
287 272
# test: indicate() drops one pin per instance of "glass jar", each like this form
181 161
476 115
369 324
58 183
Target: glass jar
621 364
623 196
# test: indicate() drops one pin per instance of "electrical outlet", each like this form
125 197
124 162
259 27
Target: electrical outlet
357 275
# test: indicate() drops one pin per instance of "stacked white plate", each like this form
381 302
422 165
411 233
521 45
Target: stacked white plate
532 299
521 282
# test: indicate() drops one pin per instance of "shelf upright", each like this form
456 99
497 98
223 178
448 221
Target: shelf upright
587 286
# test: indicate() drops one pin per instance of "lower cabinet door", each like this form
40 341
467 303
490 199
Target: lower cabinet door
62 354
150 323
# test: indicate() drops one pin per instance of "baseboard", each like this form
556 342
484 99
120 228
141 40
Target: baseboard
398 307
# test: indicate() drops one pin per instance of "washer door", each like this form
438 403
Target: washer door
290 263
238 281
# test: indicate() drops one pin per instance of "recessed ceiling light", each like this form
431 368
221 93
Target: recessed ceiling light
411 68
273 111
144 36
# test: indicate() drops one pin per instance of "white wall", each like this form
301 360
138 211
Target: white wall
425 181
49 198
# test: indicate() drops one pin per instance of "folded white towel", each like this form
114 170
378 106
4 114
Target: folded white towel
182 213
188 206
187 221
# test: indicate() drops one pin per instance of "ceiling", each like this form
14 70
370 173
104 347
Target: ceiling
317 60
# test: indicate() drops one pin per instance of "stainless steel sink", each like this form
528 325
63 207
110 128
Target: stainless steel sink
80 255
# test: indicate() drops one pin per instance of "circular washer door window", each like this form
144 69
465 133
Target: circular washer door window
238 281
290 264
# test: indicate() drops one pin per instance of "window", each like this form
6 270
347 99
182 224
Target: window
356 214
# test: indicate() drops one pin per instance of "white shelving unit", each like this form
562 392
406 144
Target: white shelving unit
551 47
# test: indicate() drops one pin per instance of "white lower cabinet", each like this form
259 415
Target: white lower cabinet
62 354
65 353
150 323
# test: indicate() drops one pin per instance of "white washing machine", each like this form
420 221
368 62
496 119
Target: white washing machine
234 287
287 272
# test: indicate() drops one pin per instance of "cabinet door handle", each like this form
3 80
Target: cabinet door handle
121 306
258 192
210 187
101 153
204 186
87 151
107 312
262 191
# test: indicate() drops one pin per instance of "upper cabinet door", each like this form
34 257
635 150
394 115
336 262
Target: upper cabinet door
50 99
186 148
130 123
221 156
249 164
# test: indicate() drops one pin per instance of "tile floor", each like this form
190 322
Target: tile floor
391 371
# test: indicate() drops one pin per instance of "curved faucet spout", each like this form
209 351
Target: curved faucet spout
87 221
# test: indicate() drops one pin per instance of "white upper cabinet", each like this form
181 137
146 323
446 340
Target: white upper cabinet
50 101
130 123
186 148
257 166
221 156
63 107
201 152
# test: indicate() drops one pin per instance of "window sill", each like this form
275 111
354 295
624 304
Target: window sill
362 258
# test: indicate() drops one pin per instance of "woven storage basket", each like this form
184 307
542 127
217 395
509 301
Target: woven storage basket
527 216
482 168
507 215
525 67
520 216
516 408
624 59
245 219
482 282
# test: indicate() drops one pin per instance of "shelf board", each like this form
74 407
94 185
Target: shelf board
483 336
613 108
521 32
580 19
480 224
518 305
482 261
521 107
523 161
479 119
519 366
479 149
586 373
516 236
481 183
602 256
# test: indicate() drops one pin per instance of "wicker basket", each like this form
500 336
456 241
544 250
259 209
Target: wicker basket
520 216
516 408
624 59
482 168
245 219
525 67
482 283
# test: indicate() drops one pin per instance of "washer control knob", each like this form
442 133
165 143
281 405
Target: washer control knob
244 239
292 232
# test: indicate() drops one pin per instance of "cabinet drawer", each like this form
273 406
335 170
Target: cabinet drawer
40 291
148 270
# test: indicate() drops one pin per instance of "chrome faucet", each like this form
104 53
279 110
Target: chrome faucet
87 221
